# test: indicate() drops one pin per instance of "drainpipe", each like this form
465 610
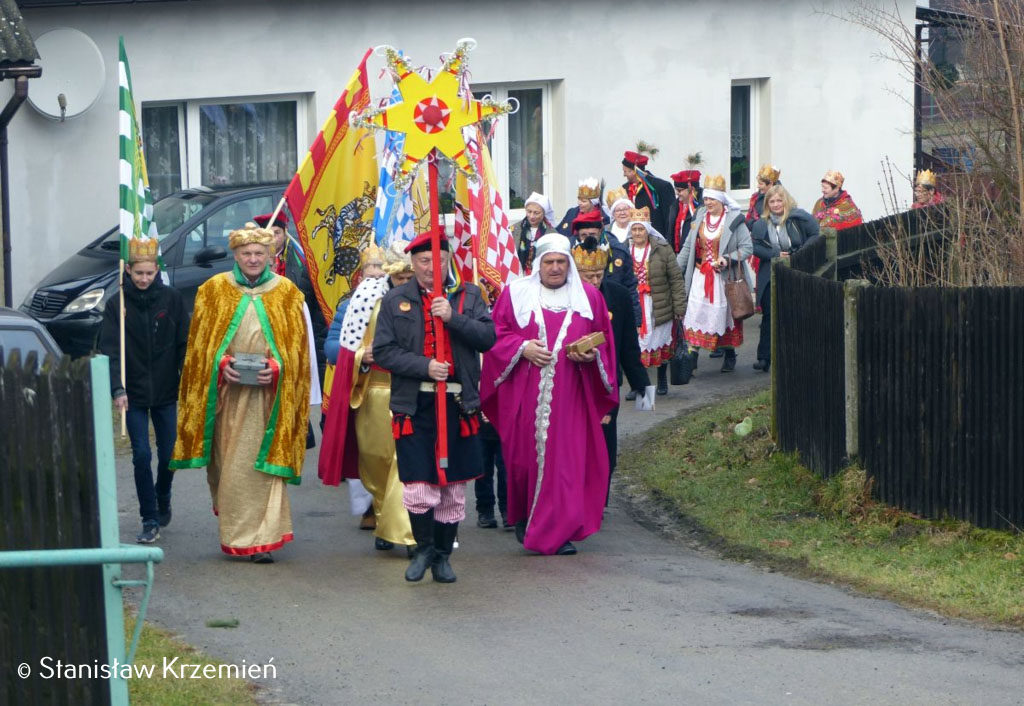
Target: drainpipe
20 94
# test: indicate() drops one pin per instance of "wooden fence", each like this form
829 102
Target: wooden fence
48 500
925 387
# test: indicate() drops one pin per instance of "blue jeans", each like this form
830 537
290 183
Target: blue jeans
484 485
164 425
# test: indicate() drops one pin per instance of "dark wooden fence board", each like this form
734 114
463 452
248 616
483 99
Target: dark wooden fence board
941 389
809 361
49 500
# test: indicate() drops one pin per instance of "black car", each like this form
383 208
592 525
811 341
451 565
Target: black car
22 332
193 225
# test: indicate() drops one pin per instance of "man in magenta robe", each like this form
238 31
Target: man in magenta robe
547 403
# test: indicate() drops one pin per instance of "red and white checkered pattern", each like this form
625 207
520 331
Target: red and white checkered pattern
499 263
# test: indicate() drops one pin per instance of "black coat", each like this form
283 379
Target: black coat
666 196
398 343
620 268
565 225
627 345
155 338
676 238
802 228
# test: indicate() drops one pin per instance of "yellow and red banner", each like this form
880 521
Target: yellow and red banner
332 197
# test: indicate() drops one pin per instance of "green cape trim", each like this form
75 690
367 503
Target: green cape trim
242 281
268 435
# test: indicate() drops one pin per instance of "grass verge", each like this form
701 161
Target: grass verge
758 503
155 646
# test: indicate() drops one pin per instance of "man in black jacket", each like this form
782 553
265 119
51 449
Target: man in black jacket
155 337
592 264
405 344
645 189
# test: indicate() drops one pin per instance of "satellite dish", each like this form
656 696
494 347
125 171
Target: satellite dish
73 74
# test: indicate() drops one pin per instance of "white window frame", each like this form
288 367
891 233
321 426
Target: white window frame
499 145
302 140
760 131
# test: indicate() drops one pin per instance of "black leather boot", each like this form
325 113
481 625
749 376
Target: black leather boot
662 379
694 354
423 533
729 364
444 538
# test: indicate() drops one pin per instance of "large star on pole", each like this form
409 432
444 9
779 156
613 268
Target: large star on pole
432 113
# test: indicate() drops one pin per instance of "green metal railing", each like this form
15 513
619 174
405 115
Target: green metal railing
111 554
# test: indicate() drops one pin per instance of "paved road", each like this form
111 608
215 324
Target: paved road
637 616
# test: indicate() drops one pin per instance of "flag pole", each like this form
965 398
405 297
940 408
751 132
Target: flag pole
273 217
442 387
124 386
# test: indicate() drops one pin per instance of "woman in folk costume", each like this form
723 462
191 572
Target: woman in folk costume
835 208
246 388
662 296
718 244
538 220
767 177
619 207
358 442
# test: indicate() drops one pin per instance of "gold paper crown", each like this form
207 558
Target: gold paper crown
640 215
715 182
768 173
589 189
142 249
596 259
251 234
614 195
396 260
371 253
927 177
834 177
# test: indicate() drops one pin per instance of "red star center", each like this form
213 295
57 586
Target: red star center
431 115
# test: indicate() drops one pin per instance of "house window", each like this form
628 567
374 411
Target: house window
222 143
750 131
521 142
740 135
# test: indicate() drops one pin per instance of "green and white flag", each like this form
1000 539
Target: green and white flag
135 198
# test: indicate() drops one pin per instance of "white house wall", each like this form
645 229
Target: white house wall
660 71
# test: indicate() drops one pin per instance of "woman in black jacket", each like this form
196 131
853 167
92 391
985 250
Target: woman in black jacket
782 230
155 337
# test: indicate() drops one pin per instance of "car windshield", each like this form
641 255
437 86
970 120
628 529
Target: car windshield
168 213
24 339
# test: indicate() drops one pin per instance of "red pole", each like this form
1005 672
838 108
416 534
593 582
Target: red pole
435 249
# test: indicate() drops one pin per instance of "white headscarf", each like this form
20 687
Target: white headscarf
723 198
525 291
652 233
545 203
621 201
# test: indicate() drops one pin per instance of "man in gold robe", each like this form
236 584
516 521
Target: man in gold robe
245 395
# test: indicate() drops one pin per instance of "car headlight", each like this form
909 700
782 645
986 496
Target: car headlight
86 302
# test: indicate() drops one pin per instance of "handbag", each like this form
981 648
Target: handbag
737 293
680 366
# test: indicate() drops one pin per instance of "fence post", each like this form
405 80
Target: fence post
774 370
831 236
851 370
106 480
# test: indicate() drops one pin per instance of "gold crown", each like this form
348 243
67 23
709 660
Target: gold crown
371 253
927 177
715 182
396 260
596 259
589 189
614 195
768 173
640 215
143 249
251 234
833 177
